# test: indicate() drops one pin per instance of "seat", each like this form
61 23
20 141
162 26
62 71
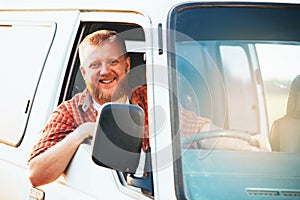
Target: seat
285 131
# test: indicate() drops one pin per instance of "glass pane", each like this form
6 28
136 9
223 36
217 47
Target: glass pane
23 50
237 66
279 66
240 90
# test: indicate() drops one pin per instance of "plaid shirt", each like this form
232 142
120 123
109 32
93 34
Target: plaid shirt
76 111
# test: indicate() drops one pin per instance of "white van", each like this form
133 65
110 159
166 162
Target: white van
235 62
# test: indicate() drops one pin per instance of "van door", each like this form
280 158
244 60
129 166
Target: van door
28 41
82 175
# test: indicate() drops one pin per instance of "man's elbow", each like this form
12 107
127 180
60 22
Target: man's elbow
34 181
36 177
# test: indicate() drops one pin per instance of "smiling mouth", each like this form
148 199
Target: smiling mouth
107 81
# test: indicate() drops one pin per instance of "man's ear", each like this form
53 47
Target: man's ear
83 72
128 64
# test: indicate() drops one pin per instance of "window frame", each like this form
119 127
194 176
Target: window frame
107 19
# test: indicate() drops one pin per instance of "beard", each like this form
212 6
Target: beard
119 91
102 97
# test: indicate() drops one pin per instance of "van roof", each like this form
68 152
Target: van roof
120 5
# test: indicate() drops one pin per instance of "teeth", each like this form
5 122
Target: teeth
107 81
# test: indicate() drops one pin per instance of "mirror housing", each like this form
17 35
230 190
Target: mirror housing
118 137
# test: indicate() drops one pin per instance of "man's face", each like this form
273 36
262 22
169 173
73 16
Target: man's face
103 67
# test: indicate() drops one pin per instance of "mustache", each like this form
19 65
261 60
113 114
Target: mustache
121 89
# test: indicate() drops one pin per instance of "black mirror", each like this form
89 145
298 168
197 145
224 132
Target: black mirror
118 138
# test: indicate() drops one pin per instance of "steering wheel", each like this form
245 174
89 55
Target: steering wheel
219 133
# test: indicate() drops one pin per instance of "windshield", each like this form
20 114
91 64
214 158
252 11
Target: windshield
239 67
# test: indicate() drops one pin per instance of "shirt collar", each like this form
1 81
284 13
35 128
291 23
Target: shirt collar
98 107
85 100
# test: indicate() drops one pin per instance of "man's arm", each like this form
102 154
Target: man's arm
192 124
49 165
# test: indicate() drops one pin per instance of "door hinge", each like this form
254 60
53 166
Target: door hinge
36 194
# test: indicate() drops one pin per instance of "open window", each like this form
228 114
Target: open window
134 37
135 43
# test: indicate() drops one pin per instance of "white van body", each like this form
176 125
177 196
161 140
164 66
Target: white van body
38 45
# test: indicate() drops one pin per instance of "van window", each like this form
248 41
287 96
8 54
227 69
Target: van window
238 77
238 65
23 50
279 66
134 37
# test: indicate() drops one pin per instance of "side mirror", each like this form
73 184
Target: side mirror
118 138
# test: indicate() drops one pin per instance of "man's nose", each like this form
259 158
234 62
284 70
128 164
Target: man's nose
103 69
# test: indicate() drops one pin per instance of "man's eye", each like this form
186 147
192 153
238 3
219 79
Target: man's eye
114 62
95 65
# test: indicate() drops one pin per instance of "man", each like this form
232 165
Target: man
104 64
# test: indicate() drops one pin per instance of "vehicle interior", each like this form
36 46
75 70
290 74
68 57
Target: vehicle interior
285 131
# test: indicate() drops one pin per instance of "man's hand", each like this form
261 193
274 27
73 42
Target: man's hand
233 143
85 130
263 143
236 144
